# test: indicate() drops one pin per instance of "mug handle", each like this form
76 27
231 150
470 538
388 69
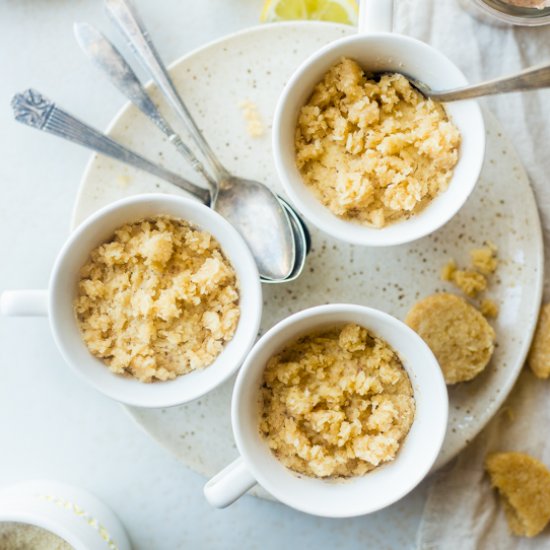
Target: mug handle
375 16
24 303
229 484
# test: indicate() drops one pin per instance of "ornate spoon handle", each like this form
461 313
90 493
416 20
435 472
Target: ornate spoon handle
33 109
128 21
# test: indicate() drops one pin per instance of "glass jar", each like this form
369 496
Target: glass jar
502 12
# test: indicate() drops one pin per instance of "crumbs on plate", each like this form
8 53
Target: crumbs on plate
475 279
254 125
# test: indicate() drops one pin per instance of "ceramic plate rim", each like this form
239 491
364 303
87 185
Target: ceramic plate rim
523 349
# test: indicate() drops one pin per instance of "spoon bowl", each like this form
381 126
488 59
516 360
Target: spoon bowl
259 216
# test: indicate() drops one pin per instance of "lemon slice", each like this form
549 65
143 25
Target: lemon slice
338 11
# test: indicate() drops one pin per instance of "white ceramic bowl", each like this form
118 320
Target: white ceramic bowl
69 512
58 302
334 498
378 52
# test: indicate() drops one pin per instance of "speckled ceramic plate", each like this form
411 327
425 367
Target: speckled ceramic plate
254 65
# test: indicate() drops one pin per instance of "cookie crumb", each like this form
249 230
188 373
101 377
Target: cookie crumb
485 259
473 280
539 355
448 270
489 308
523 483
254 124
470 282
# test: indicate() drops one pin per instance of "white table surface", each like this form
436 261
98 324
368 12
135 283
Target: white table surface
52 425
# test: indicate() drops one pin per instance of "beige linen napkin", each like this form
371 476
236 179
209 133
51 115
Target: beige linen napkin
462 510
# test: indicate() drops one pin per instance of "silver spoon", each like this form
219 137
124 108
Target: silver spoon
35 110
108 59
249 205
528 79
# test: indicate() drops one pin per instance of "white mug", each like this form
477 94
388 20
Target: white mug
377 49
324 497
57 302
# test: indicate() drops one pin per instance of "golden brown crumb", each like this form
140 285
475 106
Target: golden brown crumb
447 271
254 124
489 308
459 336
157 300
470 282
539 355
336 403
473 281
524 486
374 151
484 259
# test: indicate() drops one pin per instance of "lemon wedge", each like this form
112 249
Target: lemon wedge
338 11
